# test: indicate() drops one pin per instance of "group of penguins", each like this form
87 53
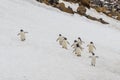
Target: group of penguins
77 47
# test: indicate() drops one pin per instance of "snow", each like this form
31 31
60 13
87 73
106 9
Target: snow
41 58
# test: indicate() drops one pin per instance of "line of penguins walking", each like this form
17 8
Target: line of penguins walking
77 47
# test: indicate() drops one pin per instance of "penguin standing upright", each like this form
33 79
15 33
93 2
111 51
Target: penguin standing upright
22 35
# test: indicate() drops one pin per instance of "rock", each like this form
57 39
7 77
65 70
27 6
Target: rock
69 10
46 2
101 9
118 18
102 21
81 10
92 18
85 3
40 1
95 19
110 15
62 7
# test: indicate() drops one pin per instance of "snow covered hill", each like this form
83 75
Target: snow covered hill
41 58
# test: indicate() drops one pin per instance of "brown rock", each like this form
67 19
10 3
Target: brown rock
40 1
69 10
118 18
95 19
46 2
110 15
102 21
92 18
101 9
81 10
86 3
62 7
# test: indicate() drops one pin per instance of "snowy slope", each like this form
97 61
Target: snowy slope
41 58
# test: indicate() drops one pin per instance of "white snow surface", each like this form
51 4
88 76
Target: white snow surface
40 57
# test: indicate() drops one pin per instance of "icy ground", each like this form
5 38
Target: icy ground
40 57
